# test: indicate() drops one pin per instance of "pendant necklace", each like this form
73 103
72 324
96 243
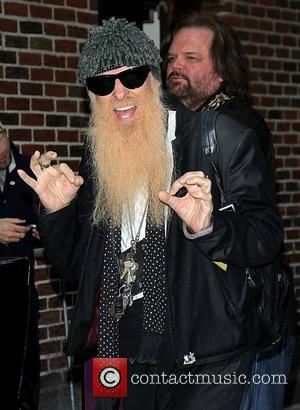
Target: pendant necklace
127 268
130 265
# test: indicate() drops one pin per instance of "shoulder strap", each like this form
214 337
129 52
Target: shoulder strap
210 146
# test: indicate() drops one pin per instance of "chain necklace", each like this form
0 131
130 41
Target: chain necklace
127 271
135 240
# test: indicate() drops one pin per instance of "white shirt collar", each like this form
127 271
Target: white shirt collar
141 200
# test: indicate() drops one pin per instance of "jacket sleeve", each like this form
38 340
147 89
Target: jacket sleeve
253 235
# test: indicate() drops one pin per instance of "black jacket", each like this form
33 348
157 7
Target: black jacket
17 201
210 313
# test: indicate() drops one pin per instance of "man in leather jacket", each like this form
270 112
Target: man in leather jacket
206 70
161 270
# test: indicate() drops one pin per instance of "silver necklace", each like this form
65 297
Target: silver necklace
135 240
127 268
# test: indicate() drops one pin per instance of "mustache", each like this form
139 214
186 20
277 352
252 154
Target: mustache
178 74
128 100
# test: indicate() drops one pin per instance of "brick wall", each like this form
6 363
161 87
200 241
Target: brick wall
43 106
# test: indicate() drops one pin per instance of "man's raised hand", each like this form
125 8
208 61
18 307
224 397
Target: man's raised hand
195 207
56 185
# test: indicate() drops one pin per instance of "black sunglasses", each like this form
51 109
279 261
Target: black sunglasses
105 84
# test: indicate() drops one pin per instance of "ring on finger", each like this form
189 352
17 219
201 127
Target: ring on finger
44 165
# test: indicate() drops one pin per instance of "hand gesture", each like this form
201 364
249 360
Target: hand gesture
195 207
12 230
55 185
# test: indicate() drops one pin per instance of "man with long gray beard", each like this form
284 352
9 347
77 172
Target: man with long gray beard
142 243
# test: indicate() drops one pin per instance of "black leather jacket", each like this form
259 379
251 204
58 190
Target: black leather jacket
210 312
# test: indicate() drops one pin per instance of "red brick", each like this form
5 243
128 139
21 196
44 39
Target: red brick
56 331
282 27
46 288
32 119
87 18
290 139
55 29
2 104
67 136
293 234
44 135
43 365
232 19
257 11
43 333
31 148
66 106
8 87
66 46
273 13
40 274
72 62
84 106
8 25
250 22
50 347
66 76
43 303
275 89
58 363
289 15
30 58
42 74
20 134
291 115
267 51
267 101
41 12
17 104
78 3
55 90
274 65
289 41
77 32
16 9
258 37
31 88
265 25
49 317
64 14
55 2
54 61
42 104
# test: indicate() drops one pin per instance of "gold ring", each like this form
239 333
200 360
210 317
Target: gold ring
44 165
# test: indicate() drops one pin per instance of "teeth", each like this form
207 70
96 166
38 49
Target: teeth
129 107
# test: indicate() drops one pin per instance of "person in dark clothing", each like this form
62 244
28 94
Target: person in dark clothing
207 71
17 231
161 269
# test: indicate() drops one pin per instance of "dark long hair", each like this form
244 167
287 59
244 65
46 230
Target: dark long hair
226 51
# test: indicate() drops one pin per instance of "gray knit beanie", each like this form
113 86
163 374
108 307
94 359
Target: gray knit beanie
115 44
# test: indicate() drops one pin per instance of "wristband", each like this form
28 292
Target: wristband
196 235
